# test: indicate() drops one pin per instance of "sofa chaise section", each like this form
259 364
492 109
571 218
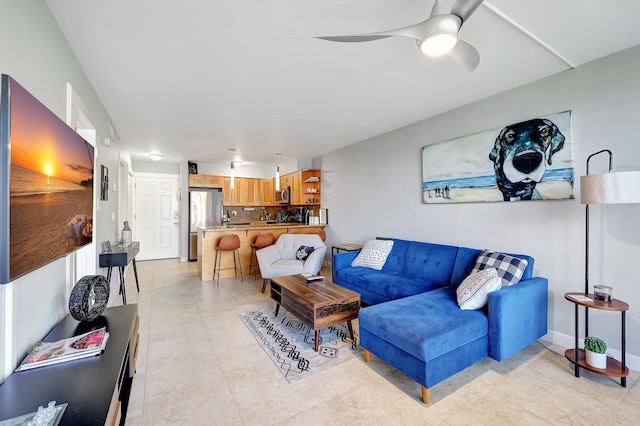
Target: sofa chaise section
426 335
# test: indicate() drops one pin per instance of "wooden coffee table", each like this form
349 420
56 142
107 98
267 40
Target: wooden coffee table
318 305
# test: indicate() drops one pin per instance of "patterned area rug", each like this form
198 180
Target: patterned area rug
289 343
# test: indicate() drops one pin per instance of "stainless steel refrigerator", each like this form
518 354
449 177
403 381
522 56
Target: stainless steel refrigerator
205 209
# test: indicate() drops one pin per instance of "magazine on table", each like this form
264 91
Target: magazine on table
85 345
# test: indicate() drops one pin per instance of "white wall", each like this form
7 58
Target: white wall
35 53
374 189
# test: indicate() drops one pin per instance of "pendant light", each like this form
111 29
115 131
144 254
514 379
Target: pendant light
233 175
277 172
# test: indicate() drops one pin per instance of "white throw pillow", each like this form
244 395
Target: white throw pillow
473 292
373 254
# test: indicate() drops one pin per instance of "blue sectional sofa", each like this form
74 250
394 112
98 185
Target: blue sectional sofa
414 322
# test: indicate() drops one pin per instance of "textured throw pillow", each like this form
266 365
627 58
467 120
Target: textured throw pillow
509 268
303 252
373 254
473 292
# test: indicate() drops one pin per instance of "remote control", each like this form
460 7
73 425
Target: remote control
315 278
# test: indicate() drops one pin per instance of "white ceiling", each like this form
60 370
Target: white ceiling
192 78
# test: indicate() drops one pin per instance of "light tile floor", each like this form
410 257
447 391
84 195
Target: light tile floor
199 365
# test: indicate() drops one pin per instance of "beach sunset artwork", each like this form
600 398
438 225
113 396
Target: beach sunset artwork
51 185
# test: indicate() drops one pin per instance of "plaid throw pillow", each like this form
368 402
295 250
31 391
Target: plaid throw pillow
510 269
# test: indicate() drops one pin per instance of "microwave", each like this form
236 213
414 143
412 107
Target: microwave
284 195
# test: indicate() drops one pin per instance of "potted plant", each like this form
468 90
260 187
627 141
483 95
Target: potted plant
596 352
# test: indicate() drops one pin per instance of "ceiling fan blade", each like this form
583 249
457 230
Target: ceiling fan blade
438 9
354 38
466 54
413 31
464 8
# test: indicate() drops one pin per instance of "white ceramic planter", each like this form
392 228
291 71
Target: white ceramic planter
595 359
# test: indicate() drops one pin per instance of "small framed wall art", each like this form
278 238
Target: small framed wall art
104 183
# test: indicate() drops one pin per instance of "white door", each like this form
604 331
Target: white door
156 223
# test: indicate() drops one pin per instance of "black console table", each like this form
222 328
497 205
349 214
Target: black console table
121 257
96 389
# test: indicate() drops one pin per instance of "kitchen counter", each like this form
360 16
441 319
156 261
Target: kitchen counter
258 225
208 238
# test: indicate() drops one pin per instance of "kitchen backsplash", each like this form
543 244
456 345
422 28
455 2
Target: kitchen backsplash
254 214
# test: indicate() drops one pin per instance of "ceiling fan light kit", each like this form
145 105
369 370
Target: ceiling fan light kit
438 45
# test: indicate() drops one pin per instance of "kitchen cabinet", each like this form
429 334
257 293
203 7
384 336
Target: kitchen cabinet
252 192
244 193
229 195
296 188
285 180
206 181
267 192
305 187
248 191
310 187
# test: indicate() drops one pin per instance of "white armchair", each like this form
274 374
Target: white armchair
280 259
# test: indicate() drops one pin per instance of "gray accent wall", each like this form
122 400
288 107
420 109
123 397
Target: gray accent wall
373 188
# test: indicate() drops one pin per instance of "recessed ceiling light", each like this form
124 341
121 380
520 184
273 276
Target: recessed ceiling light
156 157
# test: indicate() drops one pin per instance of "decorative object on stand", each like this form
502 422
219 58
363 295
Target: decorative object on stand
49 416
126 236
602 293
596 352
193 168
89 298
607 188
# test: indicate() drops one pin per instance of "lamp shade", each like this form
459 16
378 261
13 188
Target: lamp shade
610 188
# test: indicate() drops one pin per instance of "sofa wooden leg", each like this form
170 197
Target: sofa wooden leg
426 394
367 356
264 284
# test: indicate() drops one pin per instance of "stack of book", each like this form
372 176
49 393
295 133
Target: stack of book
77 347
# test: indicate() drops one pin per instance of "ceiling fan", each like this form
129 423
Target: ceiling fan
435 36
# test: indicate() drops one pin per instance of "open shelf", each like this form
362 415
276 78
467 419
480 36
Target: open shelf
614 367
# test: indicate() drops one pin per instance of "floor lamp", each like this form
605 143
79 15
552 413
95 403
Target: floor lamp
607 188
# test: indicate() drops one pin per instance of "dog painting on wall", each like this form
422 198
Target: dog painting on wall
527 160
520 156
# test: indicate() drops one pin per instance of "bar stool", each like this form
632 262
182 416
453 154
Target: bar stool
263 240
228 243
